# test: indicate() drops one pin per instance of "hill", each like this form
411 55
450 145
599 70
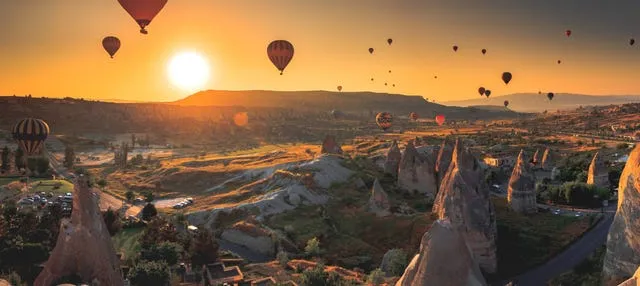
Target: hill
533 102
355 103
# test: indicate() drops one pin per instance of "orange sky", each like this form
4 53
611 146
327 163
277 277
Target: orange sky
53 48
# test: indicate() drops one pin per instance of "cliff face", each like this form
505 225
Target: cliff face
464 199
633 281
392 161
416 173
623 243
547 160
84 245
598 173
443 259
444 159
379 201
521 193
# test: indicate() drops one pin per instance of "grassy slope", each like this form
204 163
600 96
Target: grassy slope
126 241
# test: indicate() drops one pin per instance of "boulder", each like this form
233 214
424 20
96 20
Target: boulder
416 173
633 281
444 159
598 173
330 146
84 246
623 243
379 201
465 200
521 193
392 161
443 259
547 160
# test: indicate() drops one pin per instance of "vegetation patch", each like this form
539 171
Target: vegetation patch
127 241
588 272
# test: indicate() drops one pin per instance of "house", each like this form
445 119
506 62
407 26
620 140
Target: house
499 161
218 274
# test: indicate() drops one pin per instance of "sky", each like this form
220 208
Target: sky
53 48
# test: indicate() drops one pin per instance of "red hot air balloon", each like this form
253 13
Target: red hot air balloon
111 45
143 11
371 50
484 51
481 91
440 119
455 48
339 88
280 53
506 77
389 41
506 103
568 33
487 93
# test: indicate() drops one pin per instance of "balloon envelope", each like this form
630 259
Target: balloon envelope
389 41
371 50
280 53
506 103
568 33
440 119
481 91
413 116
111 45
30 134
241 119
339 88
143 11
506 77
384 120
455 48
550 95
484 51
487 93
632 41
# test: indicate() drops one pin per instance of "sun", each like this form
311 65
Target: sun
188 71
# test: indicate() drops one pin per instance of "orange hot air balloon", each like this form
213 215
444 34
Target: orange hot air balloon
481 91
413 116
568 33
280 53
371 50
440 119
339 88
455 48
111 45
384 120
241 119
143 11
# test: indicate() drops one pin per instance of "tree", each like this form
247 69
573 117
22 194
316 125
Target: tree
168 252
42 165
149 273
112 221
148 197
395 263
283 258
102 183
69 157
133 141
204 249
158 230
130 196
5 159
315 276
149 211
313 247
376 277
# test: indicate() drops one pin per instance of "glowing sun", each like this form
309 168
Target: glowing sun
188 71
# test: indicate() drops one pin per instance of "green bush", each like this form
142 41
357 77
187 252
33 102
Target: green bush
149 273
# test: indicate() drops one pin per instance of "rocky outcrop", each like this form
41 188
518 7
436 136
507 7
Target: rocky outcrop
263 244
633 281
535 160
330 146
416 173
465 200
547 160
443 259
444 159
84 246
379 201
598 173
392 162
623 243
521 193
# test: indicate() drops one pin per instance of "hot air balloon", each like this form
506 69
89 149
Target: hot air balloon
506 103
371 79
30 134
393 85
143 11
385 83
389 41
241 119
339 88
568 33
435 76
559 61
539 92
413 116
632 41
455 48
550 95
481 91
371 50
440 119
484 51
111 45
384 120
506 77
280 53
389 71
487 93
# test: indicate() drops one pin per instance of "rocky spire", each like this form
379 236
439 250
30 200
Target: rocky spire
416 173
465 200
443 259
379 201
547 160
521 193
623 243
444 159
84 246
392 162
330 146
536 158
598 173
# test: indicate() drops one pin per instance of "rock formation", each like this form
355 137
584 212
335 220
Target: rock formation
465 200
598 173
547 160
444 159
84 246
443 259
521 193
633 281
623 243
330 146
416 173
392 162
379 201
535 160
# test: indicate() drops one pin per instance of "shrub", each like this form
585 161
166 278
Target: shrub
376 277
313 247
149 273
283 258
396 262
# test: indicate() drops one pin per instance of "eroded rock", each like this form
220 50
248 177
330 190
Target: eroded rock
521 193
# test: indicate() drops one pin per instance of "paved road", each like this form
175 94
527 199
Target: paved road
570 258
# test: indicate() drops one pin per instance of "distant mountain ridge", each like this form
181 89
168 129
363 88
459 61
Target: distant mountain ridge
534 102
349 102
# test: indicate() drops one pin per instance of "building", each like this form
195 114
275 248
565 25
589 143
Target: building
499 161
218 274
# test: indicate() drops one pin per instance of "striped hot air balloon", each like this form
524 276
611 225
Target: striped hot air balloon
280 53
413 116
30 134
384 120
